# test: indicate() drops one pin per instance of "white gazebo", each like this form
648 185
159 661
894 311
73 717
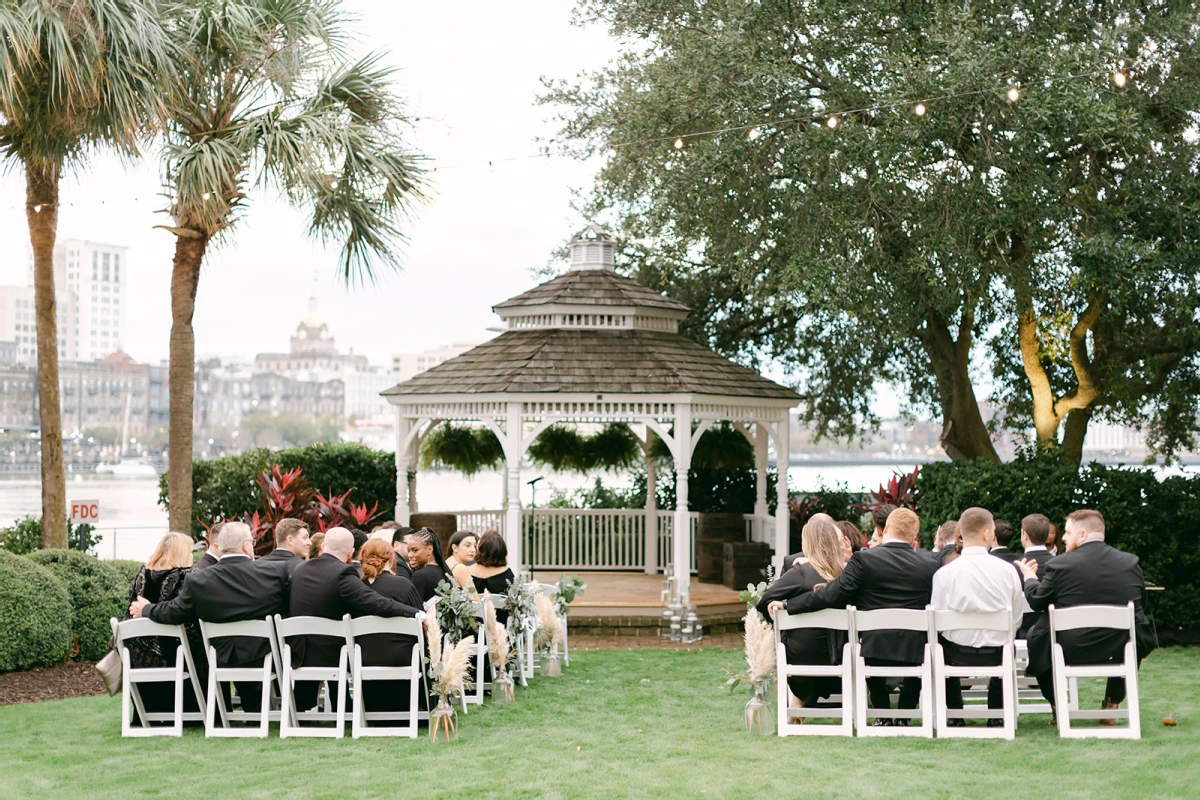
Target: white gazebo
592 346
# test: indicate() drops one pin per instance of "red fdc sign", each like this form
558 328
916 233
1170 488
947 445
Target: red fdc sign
85 511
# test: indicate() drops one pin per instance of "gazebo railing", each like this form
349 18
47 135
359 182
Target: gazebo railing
595 539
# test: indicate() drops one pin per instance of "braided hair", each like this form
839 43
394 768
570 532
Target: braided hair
429 537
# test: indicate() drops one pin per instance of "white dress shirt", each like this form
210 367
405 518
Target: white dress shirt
978 581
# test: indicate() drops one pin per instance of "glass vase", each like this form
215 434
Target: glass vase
552 664
443 722
759 719
503 689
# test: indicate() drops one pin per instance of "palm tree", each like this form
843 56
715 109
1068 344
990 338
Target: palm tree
75 75
265 96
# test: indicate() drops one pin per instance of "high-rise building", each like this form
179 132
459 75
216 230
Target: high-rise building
18 329
406 365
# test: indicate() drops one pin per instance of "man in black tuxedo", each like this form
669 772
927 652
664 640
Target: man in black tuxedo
213 554
291 544
400 548
888 575
1035 529
329 586
1090 572
234 589
1004 537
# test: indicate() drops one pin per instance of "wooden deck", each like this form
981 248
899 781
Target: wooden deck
621 594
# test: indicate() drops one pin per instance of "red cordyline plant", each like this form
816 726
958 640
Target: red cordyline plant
900 491
336 511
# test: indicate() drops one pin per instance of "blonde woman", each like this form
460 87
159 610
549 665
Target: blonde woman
821 541
159 580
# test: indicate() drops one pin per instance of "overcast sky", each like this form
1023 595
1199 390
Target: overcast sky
474 69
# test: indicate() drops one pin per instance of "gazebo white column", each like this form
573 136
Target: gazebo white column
513 452
403 463
782 512
682 544
761 436
651 519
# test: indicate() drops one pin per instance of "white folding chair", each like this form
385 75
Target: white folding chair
1097 616
835 619
251 628
1000 622
479 652
1029 696
184 669
551 590
893 619
500 601
289 723
412 672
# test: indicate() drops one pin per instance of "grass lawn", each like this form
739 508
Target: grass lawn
642 723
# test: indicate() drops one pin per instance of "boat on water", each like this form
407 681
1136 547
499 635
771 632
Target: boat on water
128 467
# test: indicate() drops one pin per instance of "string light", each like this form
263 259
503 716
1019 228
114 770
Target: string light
679 143
1013 94
832 122
754 133
919 109
37 209
1119 79
333 185
205 196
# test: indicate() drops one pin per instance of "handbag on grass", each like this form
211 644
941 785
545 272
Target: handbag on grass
109 668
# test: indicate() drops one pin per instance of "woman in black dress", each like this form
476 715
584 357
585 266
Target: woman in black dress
386 649
427 562
821 542
490 571
160 580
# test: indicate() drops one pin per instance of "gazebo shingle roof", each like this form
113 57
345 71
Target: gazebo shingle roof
620 361
594 288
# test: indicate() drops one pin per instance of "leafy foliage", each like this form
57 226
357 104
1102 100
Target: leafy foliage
838 503
1155 520
35 615
563 449
569 587
899 491
456 611
97 593
127 568
25 536
468 450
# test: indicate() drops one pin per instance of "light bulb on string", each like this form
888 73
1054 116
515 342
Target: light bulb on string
919 109
1014 94
679 143
754 133
205 196
612 152
37 209
1119 78
832 122
333 184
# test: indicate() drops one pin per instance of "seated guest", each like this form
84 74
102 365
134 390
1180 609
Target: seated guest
360 538
386 649
791 559
880 516
400 548
1035 530
490 572
944 543
889 575
461 556
976 582
852 536
213 553
234 589
1090 572
316 543
159 581
329 586
1004 537
291 543
1054 543
427 562
822 539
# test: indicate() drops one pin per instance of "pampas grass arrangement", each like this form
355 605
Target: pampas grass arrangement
449 678
549 635
760 669
500 652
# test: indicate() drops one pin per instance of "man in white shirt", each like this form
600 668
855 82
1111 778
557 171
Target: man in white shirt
976 581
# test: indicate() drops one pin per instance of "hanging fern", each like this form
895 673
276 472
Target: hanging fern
564 449
457 447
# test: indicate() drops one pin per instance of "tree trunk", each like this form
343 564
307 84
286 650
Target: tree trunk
185 276
1074 433
965 436
41 211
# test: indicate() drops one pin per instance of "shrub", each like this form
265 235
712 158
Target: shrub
35 615
127 569
226 488
1158 521
25 536
96 591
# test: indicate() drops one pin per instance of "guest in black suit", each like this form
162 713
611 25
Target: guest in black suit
427 562
822 540
1090 572
889 575
1035 529
291 544
1004 537
213 554
234 589
329 586
945 543
386 649
400 548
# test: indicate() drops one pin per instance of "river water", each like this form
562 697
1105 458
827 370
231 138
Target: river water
131 521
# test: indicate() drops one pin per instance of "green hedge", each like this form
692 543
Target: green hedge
1158 521
97 593
35 615
25 536
128 570
223 488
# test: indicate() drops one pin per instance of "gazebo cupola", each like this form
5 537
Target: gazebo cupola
593 346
